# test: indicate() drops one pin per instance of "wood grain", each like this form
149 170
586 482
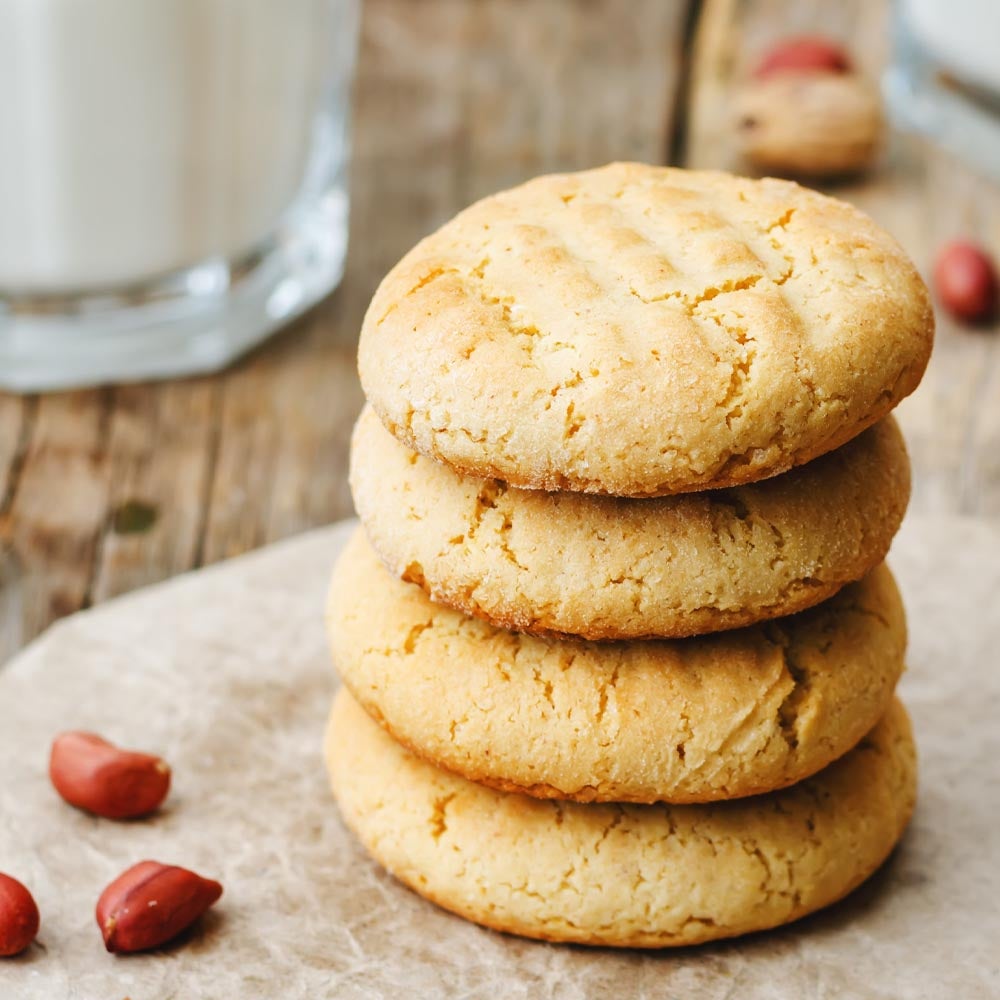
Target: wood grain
57 509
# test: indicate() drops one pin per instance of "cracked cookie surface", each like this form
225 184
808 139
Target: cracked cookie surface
680 720
617 568
641 331
631 876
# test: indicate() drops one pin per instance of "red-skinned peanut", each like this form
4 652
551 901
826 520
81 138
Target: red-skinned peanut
966 282
18 917
807 54
150 904
93 774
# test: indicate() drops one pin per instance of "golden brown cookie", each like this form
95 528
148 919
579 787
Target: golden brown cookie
616 568
680 720
642 331
632 876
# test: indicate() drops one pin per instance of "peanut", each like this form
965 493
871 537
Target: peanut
18 917
966 282
94 775
808 54
152 903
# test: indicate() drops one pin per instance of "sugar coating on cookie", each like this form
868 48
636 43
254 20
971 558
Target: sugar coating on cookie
632 876
641 331
616 568
683 720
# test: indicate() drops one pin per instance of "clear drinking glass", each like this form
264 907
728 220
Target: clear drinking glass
172 180
944 79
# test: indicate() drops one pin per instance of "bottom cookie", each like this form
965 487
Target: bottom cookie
623 875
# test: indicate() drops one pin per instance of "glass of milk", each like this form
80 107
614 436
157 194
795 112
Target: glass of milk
944 80
172 180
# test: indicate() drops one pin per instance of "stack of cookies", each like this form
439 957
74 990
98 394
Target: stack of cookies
618 646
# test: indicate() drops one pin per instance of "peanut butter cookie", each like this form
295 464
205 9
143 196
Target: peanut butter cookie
677 720
642 331
631 876
620 568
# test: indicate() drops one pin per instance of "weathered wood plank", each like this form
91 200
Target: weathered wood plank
15 414
159 455
56 514
562 86
920 194
283 446
16 419
282 454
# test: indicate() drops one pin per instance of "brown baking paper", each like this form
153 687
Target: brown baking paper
225 673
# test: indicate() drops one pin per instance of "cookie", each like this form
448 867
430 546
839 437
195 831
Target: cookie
632 876
641 331
679 720
614 568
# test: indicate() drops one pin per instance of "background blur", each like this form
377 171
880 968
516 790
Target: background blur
105 490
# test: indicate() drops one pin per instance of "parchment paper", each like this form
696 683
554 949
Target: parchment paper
225 673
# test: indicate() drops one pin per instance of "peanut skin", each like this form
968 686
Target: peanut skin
151 903
93 774
966 282
18 917
807 54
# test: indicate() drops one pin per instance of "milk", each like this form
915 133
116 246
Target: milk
142 136
962 36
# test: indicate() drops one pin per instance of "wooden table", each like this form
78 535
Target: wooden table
105 490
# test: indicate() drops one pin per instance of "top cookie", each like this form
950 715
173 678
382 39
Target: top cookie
642 331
